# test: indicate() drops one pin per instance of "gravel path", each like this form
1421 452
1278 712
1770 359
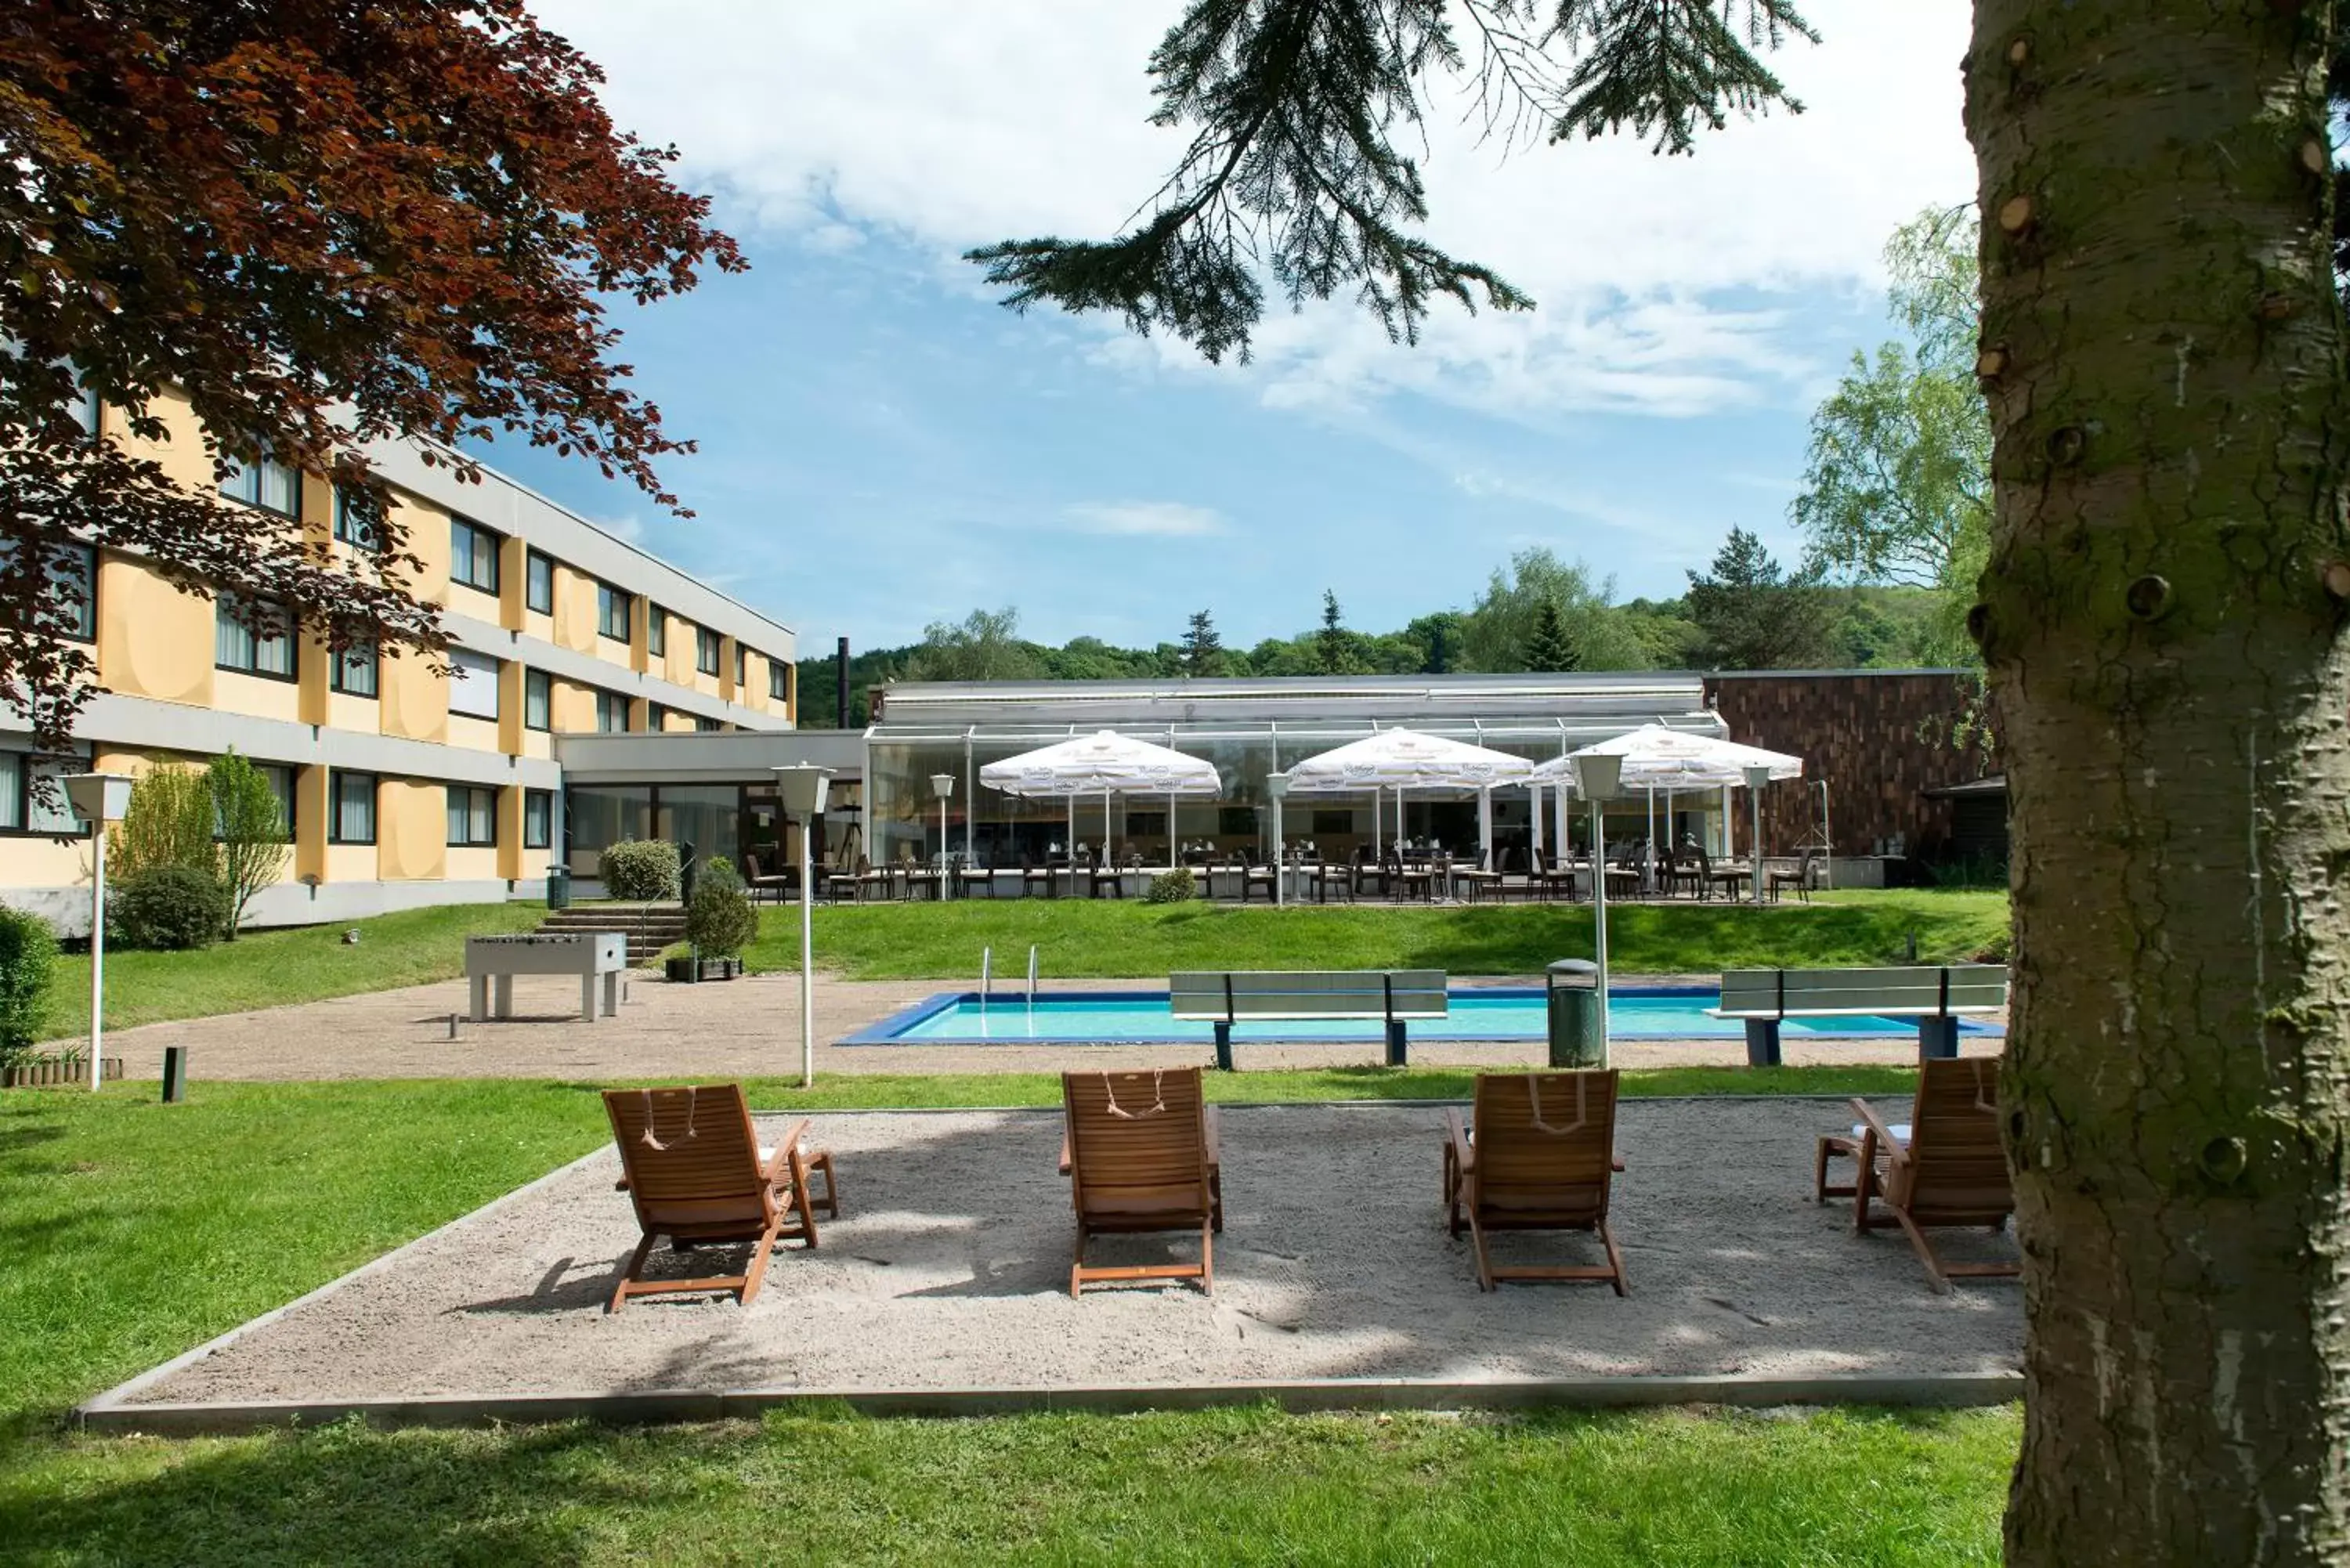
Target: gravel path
951 1266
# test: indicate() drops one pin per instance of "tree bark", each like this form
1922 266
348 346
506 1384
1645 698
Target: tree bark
2168 667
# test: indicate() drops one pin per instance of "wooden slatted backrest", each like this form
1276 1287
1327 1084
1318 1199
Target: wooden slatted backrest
1138 1142
706 1172
1545 1142
1958 1172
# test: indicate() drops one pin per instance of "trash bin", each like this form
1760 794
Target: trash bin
1576 1039
558 886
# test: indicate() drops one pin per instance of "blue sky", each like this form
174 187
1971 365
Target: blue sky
882 445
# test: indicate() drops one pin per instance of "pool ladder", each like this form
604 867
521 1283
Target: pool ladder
987 979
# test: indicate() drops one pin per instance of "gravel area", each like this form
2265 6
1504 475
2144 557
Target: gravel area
950 1267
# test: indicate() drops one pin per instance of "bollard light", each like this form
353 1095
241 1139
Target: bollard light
802 790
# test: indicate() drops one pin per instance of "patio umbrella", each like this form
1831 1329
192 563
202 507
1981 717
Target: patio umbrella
1105 764
1657 757
1405 759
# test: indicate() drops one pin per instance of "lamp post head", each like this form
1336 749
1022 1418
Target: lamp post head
801 788
1757 776
1276 785
1597 774
942 785
99 797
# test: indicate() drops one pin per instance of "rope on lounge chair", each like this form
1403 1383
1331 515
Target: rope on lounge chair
648 1139
1533 1099
1159 1095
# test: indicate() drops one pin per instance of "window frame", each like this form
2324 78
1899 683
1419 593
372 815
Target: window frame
607 596
258 473
87 633
707 650
221 599
452 794
495 675
336 779
534 564
540 683
779 680
348 532
478 536
603 699
656 630
339 664
544 800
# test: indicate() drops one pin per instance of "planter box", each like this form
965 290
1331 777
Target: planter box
687 970
57 1072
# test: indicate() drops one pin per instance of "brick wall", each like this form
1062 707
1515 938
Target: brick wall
1880 738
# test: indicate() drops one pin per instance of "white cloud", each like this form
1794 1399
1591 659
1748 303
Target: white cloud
1144 519
950 126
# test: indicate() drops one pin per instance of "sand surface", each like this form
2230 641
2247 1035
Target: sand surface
950 1267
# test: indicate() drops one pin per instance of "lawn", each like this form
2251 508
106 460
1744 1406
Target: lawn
135 1229
1077 938
267 969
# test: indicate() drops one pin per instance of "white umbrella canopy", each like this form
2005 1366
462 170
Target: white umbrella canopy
1405 759
1658 757
1103 763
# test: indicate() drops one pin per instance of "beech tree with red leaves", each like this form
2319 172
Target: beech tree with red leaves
325 223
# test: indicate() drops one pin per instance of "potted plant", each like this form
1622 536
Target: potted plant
719 922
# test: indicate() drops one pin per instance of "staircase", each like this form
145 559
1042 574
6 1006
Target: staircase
648 932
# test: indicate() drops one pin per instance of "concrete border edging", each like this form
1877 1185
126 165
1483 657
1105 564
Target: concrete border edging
658 1406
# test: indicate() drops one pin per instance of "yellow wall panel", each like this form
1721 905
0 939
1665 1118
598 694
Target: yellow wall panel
412 830
509 851
350 862
426 530
311 853
258 695
415 696
364 714
46 862
473 734
513 585
465 599
575 610
152 639
573 708
471 865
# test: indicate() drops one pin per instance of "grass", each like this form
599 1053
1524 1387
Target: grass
1079 937
131 1230
269 969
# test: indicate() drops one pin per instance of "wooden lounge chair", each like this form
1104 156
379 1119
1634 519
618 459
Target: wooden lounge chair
691 1164
1538 1155
1140 1151
1950 1172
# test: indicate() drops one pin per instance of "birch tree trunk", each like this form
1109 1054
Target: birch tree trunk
2163 617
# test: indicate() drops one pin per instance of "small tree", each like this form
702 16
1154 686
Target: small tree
1548 646
28 956
1204 650
168 823
252 836
721 920
1331 640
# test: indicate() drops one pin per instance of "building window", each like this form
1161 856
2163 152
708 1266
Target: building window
537 819
239 646
706 650
612 713
472 555
281 784
538 583
537 700
351 528
779 682
656 717
704 725
742 668
473 686
611 612
352 820
656 631
265 483
353 671
15 779
73 571
22 808
88 411
472 817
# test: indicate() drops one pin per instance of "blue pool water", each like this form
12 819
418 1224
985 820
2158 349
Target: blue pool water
1102 1018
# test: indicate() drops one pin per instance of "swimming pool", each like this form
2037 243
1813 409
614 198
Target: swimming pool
1478 1012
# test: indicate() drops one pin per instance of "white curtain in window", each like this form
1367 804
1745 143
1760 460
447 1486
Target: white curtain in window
473 688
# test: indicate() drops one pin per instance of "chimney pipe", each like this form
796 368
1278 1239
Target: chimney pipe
841 676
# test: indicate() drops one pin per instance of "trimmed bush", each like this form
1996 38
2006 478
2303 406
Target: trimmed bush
638 869
1174 887
721 920
168 907
28 956
169 822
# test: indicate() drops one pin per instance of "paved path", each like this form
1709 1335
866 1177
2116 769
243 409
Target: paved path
748 1027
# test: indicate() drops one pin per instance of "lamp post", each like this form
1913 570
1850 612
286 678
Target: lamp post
1756 777
802 790
944 785
1595 776
98 799
1276 786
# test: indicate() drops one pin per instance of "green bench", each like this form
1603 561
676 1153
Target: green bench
1225 997
1935 995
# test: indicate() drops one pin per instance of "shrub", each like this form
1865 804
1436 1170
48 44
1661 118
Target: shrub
167 907
638 869
253 837
721 920
168 823
1170 888
28 954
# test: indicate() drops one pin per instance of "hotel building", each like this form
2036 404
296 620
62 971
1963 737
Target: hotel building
403 785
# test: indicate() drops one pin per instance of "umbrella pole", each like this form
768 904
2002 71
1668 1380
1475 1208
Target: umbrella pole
1379 818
